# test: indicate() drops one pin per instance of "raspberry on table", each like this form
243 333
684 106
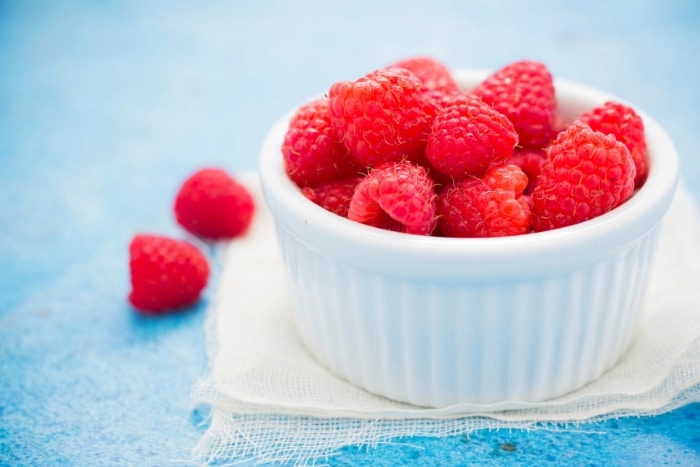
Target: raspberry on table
492 206
166 274
396 196
627 126
434 75
467 137
524 92
586 174
213 205
312 154
333 196
381 117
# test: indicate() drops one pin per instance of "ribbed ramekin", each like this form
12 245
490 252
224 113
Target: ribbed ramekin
443 321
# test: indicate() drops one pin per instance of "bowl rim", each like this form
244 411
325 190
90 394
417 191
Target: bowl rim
476 258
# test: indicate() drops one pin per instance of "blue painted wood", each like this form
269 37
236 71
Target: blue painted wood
105 107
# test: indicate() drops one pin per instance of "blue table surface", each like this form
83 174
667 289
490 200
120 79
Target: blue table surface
105 107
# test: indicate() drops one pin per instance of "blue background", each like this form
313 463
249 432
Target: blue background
105 108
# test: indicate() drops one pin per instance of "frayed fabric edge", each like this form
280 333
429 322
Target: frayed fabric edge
258 439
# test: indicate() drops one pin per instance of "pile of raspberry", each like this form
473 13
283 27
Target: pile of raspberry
404 148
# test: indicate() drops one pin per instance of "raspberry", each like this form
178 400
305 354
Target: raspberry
586 174
530 161
398 196
467 137
380 117
627 126
166 274
488 207
311 153
333 196
434 75
212 205
524 92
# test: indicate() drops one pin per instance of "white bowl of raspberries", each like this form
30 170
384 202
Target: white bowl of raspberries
467 237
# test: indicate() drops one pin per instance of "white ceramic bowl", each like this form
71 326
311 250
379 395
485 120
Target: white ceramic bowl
443 321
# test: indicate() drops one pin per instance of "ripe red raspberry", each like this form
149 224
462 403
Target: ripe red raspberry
212 205
311 153
627 126
524 92
380 117
434 75
467 137
488 207
586 174
398 196
166 274
530 161
333 196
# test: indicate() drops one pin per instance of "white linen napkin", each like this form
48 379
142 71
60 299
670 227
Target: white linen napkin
273 401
